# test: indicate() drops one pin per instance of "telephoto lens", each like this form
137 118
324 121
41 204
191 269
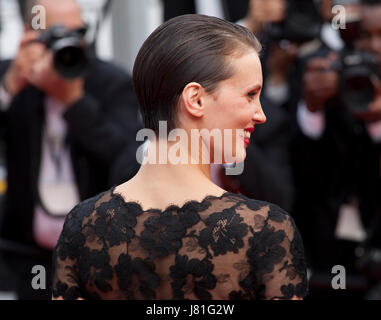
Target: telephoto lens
356 80
357 70
69 50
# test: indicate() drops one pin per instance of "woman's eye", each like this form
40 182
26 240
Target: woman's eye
252 94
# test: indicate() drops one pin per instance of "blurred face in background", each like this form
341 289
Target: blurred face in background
264 11
370 39
43 73
63 12
326 10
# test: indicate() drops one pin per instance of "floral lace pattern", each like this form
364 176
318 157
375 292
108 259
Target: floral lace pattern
228 247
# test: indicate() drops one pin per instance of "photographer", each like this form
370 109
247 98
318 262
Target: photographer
66 125
336 153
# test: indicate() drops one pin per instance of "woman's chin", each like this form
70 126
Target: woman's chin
239 157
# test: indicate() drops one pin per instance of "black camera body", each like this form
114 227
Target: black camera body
301 24
356 69
69 50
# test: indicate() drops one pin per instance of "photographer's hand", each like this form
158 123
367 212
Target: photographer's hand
16 78
320 83
45 77
279 62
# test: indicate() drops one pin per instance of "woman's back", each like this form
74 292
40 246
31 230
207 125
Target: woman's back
227 247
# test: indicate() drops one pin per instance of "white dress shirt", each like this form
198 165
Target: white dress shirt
56 184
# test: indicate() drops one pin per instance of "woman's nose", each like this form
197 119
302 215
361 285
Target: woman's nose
259 116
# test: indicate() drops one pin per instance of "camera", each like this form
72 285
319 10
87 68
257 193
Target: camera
357 69
301 24
70 55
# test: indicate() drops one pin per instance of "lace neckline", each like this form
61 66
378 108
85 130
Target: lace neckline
171 207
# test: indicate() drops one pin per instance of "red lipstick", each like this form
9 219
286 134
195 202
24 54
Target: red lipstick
246 140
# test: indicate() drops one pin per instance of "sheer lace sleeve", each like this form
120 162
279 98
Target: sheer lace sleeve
65 264
276 256
68 252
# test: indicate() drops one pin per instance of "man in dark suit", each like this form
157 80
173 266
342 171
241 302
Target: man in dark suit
63 137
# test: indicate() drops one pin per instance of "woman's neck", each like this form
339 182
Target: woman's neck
180 182
167 162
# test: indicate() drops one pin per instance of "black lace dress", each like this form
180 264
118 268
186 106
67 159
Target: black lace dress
228 247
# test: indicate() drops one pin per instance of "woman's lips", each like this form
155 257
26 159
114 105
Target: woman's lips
246 138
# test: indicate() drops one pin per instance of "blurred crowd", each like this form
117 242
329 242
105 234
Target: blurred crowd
68 124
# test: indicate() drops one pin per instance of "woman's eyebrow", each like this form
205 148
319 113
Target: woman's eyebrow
256 87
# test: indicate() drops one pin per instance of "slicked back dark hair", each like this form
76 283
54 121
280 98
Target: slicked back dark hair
185 49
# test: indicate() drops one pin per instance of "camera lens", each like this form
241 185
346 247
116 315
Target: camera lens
69 50
70 61
357 88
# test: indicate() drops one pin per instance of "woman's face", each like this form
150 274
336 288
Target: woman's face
235 105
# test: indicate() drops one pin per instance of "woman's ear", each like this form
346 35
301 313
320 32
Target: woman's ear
192 96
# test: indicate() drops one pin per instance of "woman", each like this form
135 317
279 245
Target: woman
197 73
